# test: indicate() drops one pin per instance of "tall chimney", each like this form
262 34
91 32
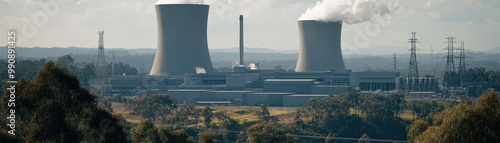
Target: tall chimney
241 40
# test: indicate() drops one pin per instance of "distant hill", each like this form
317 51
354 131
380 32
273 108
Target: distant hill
268 58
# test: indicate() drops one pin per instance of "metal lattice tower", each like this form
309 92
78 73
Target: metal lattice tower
461 67
101 62
413 68
450 65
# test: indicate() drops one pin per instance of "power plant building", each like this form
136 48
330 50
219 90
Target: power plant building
182 47
319 46
182 39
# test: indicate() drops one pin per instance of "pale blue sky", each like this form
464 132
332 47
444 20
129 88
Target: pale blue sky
268 24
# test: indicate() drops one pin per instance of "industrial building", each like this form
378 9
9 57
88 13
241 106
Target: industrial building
182 48
319 46
182 39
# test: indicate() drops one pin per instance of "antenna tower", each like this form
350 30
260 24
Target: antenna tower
101 62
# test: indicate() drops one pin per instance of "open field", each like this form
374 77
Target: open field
120 108
247 113
240 113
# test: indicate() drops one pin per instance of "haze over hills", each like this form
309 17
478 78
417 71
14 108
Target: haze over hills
268 58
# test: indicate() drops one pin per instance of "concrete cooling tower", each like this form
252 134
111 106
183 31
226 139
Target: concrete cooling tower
319 46
182 39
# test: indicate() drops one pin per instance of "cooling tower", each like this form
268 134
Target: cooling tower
182 39
319 46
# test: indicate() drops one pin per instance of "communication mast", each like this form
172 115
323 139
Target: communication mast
101 62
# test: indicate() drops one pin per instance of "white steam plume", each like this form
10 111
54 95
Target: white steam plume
348 11
200 70
180 2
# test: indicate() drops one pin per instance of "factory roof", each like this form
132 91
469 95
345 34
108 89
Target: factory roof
213 102
289 80
192 90
231 91
270 93
310 95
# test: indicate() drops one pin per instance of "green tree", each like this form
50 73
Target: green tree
263 113
145 132
53 107
266 132
207 116
416 128
86 74
151 106
148 132
121 68
475 122
209 136
66 61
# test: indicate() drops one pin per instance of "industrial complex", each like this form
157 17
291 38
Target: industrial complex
183 69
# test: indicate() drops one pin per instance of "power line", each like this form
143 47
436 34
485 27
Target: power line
315 137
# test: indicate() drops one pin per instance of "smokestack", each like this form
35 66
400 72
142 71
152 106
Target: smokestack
182 39
319 46
241 41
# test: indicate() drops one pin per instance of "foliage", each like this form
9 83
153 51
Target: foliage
264 113
266 132
106 104
184 114
148 132
474 122
151 106
371 114
207 116
121 69
55 108
24 69
416 128
489 79
424 109
85 71
209 136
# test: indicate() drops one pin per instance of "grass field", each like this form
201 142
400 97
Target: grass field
120 108
246 113
240 113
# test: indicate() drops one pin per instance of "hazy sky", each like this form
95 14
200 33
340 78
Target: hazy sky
268 24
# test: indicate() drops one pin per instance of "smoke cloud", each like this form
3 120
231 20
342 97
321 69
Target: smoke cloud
180 2
348 11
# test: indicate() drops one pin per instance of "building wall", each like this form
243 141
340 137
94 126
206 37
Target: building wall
302 86
371 81
299 100
267 98
223 95
185 96
329 89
